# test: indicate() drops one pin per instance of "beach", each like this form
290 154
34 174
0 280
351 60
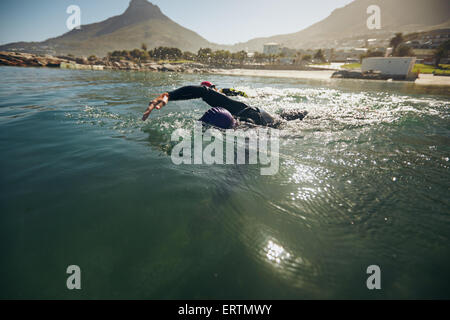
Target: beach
430 80
424 79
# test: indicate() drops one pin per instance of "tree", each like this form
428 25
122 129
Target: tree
239 56
144 56
371 53
187 55
396 41
271 57
441 52
125 54
165 53
221 56
307 57
175 53
118 55
144 47
204 55
136 54
139 55
319 55
403 51
259 57
332 54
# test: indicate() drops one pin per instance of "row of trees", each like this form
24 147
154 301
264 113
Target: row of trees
207 55
204 55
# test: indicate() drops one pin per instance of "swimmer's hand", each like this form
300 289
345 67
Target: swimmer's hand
157 103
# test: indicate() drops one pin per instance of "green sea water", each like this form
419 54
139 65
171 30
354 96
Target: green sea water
363 180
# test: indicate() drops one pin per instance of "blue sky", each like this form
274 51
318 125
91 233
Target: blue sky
225 22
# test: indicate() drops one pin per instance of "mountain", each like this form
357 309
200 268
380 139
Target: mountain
351 22
142 22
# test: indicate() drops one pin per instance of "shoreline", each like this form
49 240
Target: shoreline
292 74
31 60
423 80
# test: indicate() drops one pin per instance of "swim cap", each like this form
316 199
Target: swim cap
206 84
219 117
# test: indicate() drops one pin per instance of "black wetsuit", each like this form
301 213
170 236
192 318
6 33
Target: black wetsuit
215 99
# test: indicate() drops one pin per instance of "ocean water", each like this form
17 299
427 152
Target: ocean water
363 180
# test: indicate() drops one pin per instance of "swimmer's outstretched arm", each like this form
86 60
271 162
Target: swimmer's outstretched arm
188 93
183 93
211 97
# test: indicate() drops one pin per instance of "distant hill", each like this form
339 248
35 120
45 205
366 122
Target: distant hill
351 22
142 22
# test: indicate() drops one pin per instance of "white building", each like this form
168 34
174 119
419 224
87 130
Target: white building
272 48
397 67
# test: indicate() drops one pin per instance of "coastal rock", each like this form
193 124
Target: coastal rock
168 68
346 74
67 58
28 60
82 61
70 62
76 66
373 75
153 67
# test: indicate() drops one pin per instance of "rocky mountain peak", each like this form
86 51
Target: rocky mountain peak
142 9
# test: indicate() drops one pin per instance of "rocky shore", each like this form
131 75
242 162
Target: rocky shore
67 62
374 75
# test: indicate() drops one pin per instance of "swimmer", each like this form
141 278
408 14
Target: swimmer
225 112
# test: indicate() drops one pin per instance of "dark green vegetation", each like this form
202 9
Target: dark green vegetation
204 55
442 52
443 69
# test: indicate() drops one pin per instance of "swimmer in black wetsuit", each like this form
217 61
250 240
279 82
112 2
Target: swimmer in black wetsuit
237 109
